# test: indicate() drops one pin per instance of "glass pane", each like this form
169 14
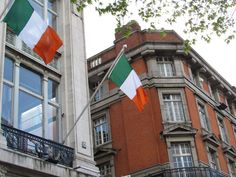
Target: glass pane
52 114
52 5
7 105
30 80
37 7
30 114
8 69
52 20
52 90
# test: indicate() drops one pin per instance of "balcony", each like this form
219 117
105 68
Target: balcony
47 150
189 172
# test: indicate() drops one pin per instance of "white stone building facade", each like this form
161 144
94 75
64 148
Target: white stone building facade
45 100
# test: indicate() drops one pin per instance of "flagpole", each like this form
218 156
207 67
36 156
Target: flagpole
4 10
94 93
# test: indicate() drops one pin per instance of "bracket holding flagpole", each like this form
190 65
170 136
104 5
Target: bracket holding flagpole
94 93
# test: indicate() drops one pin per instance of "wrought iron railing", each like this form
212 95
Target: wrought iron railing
33 145
190 172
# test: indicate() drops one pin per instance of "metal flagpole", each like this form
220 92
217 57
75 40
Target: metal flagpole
10 2
93 95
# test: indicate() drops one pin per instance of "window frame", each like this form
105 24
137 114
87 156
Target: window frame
181 155
180 139
165 61
221 126
97 117
45 75
181 92
210 151
232 171
202 104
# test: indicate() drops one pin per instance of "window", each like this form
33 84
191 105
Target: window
99 94
165 66
25 89
181 155
223 133
50 14
105 169
173 107
47 9
101 131
7 94
232 168
212 158
203 117
234 129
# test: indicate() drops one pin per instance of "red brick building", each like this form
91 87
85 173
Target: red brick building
188 127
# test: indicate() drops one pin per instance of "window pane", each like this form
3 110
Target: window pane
7 104
37 7
52 90
8 69
52 20
52 5
30 114
52 115
30 80
101 131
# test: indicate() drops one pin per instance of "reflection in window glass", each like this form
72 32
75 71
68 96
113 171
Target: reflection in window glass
30 80
30 114
52 123
37 7
52 90
8 69
7 104
52 20
51 5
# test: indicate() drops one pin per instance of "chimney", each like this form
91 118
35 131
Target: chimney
127 29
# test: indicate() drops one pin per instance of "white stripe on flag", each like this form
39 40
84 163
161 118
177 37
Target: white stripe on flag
131 83
33 30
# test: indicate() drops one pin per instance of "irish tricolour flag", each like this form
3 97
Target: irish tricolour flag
128 81
32 29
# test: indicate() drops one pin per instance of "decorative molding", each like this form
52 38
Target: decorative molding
179 130
211 139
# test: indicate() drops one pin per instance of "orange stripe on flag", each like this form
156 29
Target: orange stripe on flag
140 98
47 45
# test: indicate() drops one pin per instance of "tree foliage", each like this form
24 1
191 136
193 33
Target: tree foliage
202 18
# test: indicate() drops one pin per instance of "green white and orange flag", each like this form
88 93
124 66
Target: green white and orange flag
128 81
26 23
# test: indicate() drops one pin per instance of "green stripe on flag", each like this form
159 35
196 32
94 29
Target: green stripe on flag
120 71
18 16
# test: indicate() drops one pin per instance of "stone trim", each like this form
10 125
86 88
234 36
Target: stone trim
180 139
162 91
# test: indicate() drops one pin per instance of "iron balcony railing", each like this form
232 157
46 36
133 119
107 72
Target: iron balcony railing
190 172
33 145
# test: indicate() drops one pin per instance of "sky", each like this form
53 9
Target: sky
100 34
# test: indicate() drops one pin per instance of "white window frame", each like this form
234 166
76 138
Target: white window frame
181 155
105 169
103 139
213 151
173 107
164 62
162 92
222 129
204 123
43 97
